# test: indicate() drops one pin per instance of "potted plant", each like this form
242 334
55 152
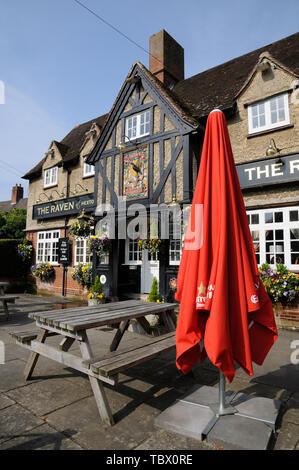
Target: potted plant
96 295
83 274
98 245
281 285
152 244
24 250
43 271
81 228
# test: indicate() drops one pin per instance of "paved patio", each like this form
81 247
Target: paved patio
57 410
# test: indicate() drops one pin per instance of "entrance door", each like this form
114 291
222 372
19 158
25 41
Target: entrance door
149 270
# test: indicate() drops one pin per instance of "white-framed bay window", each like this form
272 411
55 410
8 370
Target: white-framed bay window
137 125
51 177
47 246
269 113
275 235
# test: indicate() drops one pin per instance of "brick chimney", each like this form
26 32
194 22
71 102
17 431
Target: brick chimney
167 58
17 193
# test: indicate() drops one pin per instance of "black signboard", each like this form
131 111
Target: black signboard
63 251
64 207
274 170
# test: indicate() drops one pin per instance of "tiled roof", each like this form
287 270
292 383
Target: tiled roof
218 86
70 145
7 205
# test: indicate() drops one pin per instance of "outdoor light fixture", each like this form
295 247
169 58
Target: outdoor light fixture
174 202
133 79
50 152
272 149
91 132
263 66
82 189
41 194
122 144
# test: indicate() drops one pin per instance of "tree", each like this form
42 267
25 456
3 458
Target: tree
13 223
154 294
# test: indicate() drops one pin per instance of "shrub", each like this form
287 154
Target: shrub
154 295
96 290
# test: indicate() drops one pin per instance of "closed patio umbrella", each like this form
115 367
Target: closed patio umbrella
225 312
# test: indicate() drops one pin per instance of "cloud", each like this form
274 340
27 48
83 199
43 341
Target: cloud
26 130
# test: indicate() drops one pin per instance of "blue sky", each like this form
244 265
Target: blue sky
61 66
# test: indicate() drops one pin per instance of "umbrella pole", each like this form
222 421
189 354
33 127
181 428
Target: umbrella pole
223 408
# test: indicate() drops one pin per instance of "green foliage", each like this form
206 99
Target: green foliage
154 295
97 286
13 223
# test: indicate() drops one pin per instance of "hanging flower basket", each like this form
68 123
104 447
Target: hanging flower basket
153 245
281 285
99 245
25 250
83 274
81 228
43 271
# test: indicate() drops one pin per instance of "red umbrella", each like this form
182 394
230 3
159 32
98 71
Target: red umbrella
225 312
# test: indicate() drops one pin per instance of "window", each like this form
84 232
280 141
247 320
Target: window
88 170
47 246
82 253
175 251
275 236
133 254
268 114
50 177
138 125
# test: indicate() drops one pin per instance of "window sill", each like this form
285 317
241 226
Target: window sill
268 131
88 176
50 186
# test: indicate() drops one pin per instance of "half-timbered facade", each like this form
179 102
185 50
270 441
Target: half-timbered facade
147 151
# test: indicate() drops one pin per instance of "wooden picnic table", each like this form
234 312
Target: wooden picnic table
5 299
72 324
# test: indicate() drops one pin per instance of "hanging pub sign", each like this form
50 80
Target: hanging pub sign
135 173
64 250
284 169
64 207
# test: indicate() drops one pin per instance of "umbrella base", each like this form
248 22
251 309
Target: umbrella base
250 427
223 411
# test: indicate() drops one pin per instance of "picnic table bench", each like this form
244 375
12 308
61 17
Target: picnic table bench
5 299
72 324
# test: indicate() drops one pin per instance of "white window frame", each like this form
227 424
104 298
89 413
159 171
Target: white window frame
86 255
286 225
267 107
51 177
173 249
138 132
88 170
128 251
47 241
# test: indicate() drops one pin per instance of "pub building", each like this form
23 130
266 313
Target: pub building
147 150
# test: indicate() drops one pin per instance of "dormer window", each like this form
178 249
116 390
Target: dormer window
138 125
50 177
88 170
268 114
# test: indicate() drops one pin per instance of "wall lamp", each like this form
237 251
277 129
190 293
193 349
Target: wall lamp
75 191
263 66
133 79
122 143
272 149
43 194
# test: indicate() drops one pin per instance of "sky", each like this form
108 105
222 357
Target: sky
61 66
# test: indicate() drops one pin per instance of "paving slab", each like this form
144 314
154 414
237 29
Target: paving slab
191 416
134 423
11 374
5 401
165 440
42 437
49 395
15 420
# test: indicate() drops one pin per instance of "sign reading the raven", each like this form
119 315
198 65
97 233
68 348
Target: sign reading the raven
270 171
64 251
64 207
